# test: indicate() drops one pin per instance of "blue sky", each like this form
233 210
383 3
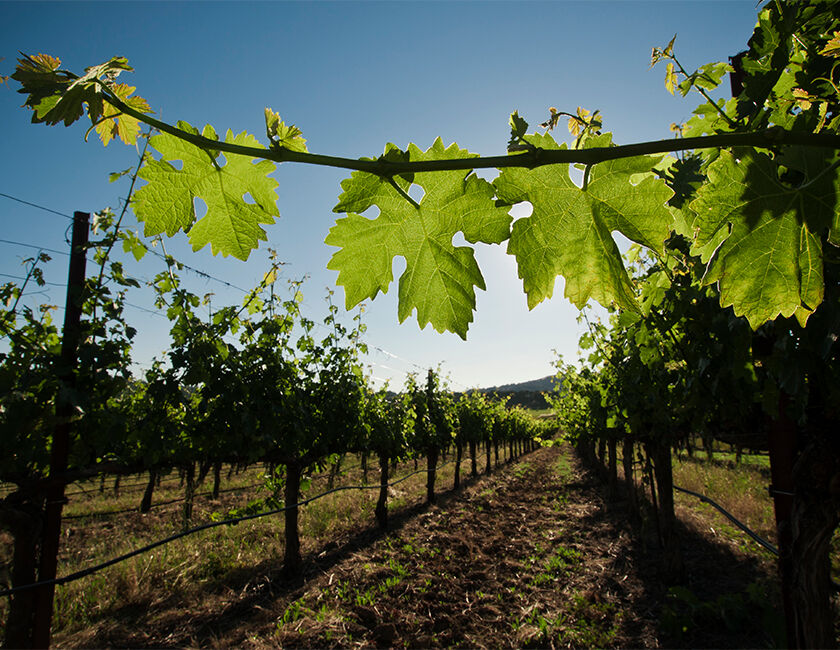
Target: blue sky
353 76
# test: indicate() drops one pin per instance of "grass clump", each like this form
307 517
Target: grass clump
740 489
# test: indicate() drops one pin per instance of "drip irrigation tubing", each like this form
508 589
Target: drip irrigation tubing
128 486
139 487
755 536
107 513
72 577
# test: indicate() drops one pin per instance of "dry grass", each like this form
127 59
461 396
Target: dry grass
740 489
194 571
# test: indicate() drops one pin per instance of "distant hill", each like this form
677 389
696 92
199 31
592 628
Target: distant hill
544 384
526 393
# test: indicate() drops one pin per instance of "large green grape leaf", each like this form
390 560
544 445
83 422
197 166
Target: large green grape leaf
231 225
440 279
761 238
569 232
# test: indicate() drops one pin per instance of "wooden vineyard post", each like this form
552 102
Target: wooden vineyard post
292 561
382 504
60 449
431 470
782 451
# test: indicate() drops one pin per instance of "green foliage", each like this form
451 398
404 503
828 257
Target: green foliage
763 221
435 417
231 226
763 236
57 95
34 379
440 279
569 231
390 422
282 136
762 225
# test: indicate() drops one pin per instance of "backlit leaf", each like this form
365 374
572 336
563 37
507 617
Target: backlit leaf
761 237
569 232
119 125
231 225
282 136
440 279
670 78
832 48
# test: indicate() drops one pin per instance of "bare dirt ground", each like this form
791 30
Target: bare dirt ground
529 556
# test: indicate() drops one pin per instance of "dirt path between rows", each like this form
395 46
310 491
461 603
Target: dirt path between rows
529 556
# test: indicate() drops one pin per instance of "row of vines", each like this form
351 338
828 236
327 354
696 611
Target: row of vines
682 370
241 384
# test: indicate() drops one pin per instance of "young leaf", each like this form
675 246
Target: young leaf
119 125
518 128
231 226
56 95
569 231
440 279
832 48
133 245
282 136
115 176
670 78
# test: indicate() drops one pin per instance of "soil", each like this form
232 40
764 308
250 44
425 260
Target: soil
531 555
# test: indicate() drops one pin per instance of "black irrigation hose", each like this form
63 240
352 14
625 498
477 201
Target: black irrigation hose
108 513
72 577
755 536
139 486
758 539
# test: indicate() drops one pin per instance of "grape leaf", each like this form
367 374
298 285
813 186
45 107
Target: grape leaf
440 279
569 232
832 48
231 226
55 95
115 124
761 238
518 128
282 136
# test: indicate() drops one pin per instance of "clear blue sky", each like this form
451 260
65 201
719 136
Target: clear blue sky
353 76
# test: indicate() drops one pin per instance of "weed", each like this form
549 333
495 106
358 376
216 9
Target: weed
557 565
321 614
399 570
393 581
365 598
589 624
543 625
292 613
563 469
522 470
342 591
